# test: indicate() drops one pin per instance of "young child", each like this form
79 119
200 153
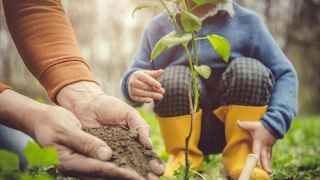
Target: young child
244 106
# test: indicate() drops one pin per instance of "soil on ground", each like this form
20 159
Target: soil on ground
127 151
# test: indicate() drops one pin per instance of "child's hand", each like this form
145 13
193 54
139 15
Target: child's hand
263 142
143 87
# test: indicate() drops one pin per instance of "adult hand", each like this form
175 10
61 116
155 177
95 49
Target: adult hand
81 154
94 109
263 142
143 87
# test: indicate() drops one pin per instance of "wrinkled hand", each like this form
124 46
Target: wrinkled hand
263 142
81 154
94 109
143 87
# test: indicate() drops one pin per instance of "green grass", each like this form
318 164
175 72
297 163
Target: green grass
296 156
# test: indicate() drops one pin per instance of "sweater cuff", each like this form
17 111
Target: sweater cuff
124 88
63 74
276 123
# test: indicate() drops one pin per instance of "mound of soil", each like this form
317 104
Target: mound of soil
127 151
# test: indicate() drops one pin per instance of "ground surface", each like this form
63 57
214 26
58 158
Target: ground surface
127 151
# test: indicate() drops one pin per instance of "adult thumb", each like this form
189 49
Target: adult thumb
89 145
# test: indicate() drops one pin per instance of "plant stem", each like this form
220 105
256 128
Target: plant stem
201 38
190 133
194 48
171 16
185 45
198 174
193 109
195 56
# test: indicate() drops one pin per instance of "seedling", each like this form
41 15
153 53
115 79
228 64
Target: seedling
39 159
190 23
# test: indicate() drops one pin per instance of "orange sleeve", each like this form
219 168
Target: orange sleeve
46 42
3 87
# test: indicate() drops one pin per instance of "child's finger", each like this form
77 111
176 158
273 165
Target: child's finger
265 160
141 95
149 80
143 86
141 99
256 148
154 74
161 90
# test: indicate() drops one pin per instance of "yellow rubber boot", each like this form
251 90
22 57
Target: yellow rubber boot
239 141
174 131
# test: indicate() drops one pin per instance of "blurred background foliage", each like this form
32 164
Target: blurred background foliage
108 36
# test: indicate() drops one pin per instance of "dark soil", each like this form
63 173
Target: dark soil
127 151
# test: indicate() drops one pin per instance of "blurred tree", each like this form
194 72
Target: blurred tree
108 37
8 54
295 25
303 43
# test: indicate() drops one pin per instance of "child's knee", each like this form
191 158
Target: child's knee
246 81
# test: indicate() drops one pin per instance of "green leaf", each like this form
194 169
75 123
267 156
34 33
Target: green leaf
9 161
179 1
53 172
50 156
26 177
168 41
40 100
190 22
221 45
9 174
144 5
37 156
43 177
202 2
203 70
33 153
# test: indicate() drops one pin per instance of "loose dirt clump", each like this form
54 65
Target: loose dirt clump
127 151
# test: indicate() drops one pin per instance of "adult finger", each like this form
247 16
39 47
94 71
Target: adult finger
88 145
152 177
135 121
76 165
144 136
156 167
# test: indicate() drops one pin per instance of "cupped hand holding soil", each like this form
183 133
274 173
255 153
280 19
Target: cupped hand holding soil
128 152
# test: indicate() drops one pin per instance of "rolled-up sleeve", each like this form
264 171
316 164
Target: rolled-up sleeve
46 42
3 87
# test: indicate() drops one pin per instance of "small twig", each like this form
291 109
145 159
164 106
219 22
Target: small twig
190 133
250 164
198 174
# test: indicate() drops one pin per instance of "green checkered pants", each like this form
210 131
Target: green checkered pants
246 81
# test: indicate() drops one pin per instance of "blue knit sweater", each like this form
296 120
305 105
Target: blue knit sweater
248 37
